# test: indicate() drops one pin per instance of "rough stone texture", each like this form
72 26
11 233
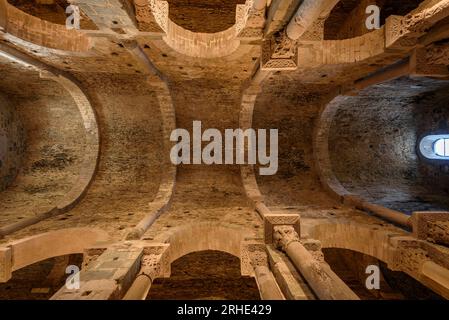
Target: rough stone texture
12 143
373 144
295 113
203 16
210 208
128 175
220 280
39 281
52 12
347 19
351 267
54 144
432 226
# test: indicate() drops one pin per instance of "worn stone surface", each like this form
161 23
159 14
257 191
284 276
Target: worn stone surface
220 280
150 66
12 143
373 144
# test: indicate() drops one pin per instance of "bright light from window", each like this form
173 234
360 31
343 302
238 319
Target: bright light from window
435 147
441 147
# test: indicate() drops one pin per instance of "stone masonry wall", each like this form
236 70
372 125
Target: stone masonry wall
12 144
373 144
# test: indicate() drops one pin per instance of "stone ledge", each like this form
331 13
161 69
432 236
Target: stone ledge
5 264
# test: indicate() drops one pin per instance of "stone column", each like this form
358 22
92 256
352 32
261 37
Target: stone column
154 264
140 288
324 282
259 4
308 12
254 262
380 211
269 290
283 230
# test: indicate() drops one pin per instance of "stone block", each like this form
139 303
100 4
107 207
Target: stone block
5 264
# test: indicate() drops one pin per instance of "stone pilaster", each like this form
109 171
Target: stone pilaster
5 264
253 254
110 274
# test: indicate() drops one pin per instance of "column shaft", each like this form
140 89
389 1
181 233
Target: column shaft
269 290
324 282
139 289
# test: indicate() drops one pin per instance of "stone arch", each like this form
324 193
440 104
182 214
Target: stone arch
404 185
90 160
197 44
323 163
20 26
371 240
205 236
51 244
347 19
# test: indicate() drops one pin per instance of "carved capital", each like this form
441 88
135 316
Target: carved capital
274 220
279 53
253 254
411 253
425 64
438 54
283 236
398 36
155 261
403 32
431 226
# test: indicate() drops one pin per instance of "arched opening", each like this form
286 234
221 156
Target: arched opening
354 268
374 144
202 16
435 147
53 11
54 143
206 275
40 280
347 19
441 147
